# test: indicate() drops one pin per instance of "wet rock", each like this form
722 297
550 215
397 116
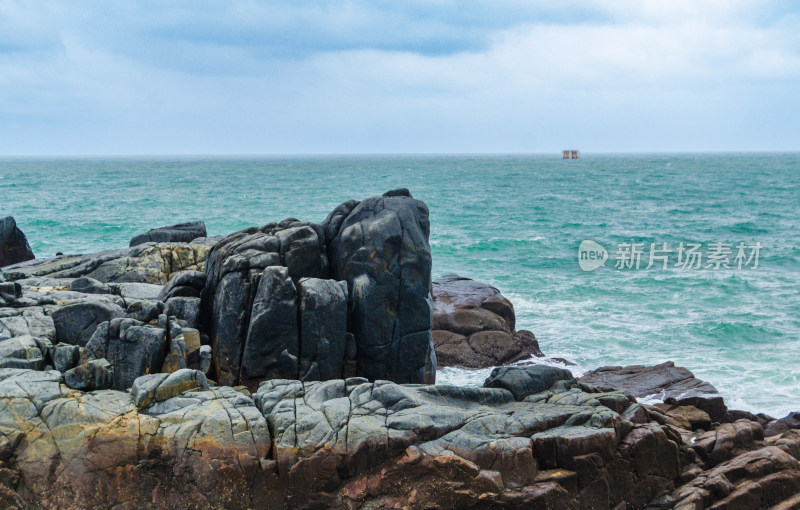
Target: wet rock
149 389
524 381
14 247
180 233
93 375
676 386
380 247
726 441
75 323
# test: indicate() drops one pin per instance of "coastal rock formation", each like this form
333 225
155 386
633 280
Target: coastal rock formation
473 325
148 263
14 245
361 280
380 248
676 386
180 233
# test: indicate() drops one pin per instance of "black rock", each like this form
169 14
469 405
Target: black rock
180 233
14 247
65 356
380 248
185 309
75 323
323 326
524 381
184 284
90 286
145 310
272 345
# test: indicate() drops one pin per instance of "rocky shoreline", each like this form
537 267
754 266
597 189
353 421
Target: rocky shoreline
294 366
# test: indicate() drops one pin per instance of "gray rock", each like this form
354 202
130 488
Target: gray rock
93 375
674 385
323 325
14 247
180 233
524 381
149 389
176 356
10 292
185 309
75 323
781 425
380 247
272 344
205 358
132 348
145 311
65 356
90 286
21 352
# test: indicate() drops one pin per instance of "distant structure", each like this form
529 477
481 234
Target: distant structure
571 154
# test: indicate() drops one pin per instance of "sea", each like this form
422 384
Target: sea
609 259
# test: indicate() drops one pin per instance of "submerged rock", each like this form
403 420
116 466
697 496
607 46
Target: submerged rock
14 247
180 233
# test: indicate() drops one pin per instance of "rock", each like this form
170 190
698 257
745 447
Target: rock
205 358
14 247
149 263
149 389
10 292
184 309
145 311
272 345
203 449
93 375
760 478
180 233
90 286
674 385
380 248
524 381
65 356
777 427
75 323
132 348
473 326
323 325
21 352
726 441
176 356
184 284
692 417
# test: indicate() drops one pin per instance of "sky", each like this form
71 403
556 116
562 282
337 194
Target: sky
392 76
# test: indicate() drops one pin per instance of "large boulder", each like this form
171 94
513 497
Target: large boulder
180 233
473 326
14 247
380 248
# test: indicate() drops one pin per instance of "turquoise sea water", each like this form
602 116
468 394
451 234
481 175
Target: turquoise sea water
514 221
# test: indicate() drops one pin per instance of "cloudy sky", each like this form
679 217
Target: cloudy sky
393 76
